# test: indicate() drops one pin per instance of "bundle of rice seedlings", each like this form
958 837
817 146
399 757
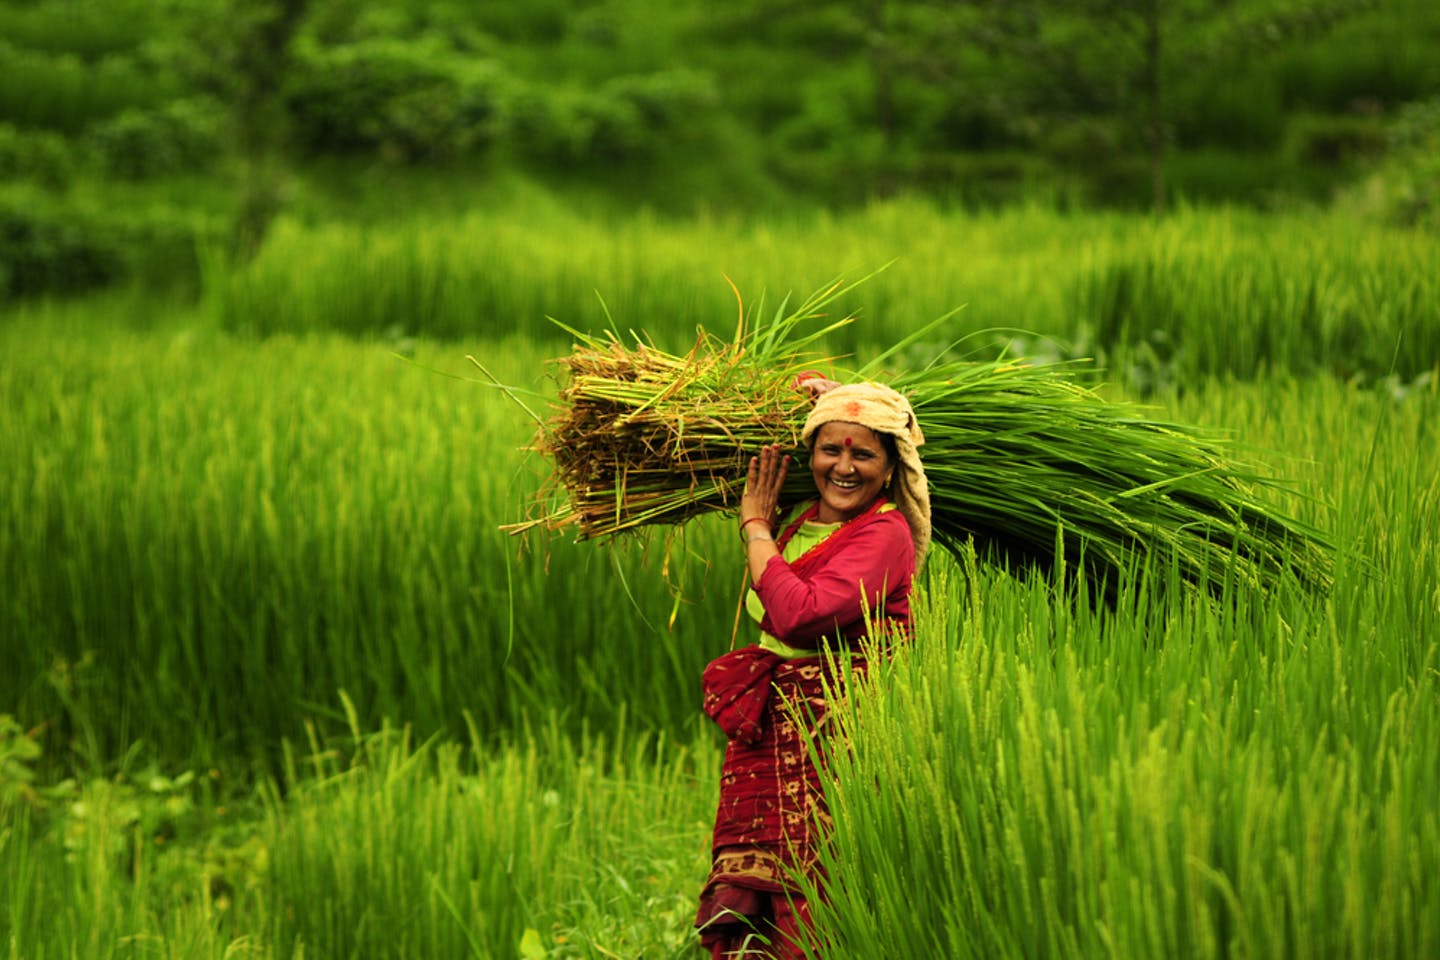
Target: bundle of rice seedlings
1023 461
1034 467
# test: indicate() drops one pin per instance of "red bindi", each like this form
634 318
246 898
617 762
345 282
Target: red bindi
848 441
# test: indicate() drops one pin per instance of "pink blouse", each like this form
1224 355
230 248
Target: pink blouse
871 571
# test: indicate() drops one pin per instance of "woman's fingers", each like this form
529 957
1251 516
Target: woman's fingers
815 387
764 479
767 464
773 466
779 465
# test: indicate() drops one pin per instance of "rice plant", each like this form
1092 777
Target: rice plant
207 537
1033 779
1161 304
373 844
300 517
1022 459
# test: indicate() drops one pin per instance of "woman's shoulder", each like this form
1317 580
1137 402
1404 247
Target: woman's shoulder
887 526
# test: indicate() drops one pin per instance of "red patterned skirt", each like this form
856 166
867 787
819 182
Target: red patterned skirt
771 812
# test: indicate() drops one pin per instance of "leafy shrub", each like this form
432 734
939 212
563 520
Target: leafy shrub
18 753
589 124
44 248
1334 141
36 155
1404 189
410 101
631 117
54 246
65 92
88 28
1234 108
665 99
1387 58
179 136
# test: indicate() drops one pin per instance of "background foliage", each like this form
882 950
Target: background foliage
687 105
275 683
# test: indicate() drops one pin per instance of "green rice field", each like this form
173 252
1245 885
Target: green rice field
277 684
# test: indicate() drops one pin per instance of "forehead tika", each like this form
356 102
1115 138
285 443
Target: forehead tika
849 434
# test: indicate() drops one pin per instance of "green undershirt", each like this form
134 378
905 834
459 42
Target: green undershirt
810 533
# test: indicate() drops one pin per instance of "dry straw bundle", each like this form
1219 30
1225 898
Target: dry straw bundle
1022 460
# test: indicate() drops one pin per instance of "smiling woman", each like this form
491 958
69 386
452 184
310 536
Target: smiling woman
838 574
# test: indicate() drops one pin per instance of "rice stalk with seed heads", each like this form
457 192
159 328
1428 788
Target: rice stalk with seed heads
1025 461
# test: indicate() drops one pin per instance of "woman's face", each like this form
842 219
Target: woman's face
850 466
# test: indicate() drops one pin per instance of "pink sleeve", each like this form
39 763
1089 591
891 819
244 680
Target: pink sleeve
877 560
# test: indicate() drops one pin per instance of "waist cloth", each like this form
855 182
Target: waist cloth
772 811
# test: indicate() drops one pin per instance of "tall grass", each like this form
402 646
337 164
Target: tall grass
1035 776
1180 782
1039 778
207 538
376 845
589 848
1200 293
1232 304
205 541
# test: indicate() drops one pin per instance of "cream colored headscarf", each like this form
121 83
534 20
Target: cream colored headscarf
884 410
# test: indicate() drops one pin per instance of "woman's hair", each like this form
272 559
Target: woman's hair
892 449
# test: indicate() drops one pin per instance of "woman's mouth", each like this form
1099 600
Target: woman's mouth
844 484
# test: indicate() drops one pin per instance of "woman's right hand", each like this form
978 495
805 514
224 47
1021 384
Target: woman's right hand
763 482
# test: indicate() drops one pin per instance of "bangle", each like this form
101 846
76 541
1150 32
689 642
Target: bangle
766 537
745 523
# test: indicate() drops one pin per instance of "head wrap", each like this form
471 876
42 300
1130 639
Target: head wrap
884 410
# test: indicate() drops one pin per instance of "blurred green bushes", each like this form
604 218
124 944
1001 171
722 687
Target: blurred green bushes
39 156
65 92
412 101
684 108
406 101
61 245
835 103
46 248
1405 188
176 137
88 29
179 136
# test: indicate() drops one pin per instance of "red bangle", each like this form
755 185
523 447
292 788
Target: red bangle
746 523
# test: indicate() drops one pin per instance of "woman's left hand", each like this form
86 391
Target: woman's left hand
763 482
813 384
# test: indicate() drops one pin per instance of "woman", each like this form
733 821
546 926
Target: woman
821 581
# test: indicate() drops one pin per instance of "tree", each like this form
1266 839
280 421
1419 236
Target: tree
242 55
1124 53
877 81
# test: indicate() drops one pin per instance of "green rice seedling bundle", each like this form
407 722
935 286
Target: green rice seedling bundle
1023 460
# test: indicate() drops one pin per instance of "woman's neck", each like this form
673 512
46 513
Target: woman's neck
824 514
